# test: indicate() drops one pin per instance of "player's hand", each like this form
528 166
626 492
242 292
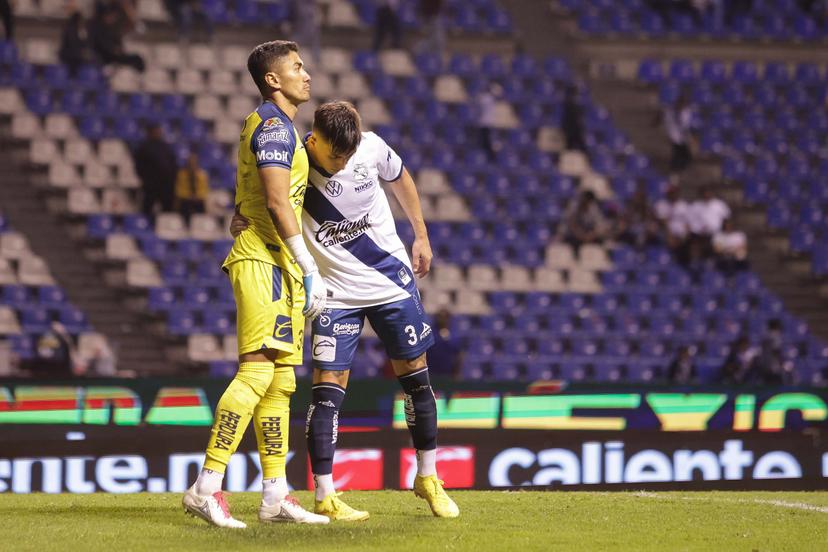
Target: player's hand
237 224
316 294
421 256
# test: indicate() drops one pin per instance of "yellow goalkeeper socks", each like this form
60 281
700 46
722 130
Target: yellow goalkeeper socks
272 422
234 410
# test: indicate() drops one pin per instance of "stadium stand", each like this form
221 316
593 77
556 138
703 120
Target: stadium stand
525 305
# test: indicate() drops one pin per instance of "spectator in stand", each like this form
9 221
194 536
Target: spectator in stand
487 104
306 27
185 14
678 121
740 362
191 188
705 219
638 224
107 36
434 27
730 248
572 120
8 19
445 356
673 214
74 43
387 24
772 366
584 221
682 370
157 169
55 353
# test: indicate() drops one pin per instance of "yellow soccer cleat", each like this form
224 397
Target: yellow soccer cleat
431 489
337 510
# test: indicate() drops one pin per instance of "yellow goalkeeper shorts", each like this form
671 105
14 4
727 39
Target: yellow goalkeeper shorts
269 305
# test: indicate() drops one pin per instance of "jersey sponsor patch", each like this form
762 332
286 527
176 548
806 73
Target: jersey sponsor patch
346 329
280 135
331 233
281 156
324 348
333 188
402 274
271 124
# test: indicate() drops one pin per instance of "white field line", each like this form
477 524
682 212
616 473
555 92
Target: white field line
778 503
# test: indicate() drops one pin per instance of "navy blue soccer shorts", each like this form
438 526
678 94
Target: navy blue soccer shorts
402 326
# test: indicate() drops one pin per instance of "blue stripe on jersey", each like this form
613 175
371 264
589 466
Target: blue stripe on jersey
363 247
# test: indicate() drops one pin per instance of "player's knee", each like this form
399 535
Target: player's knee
282 386
403 367
256 376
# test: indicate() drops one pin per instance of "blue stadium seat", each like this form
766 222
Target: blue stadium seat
51 297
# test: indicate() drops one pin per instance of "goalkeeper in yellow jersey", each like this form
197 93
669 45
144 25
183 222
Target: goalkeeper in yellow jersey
276 285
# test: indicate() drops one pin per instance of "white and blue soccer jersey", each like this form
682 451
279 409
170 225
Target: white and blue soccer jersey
349 229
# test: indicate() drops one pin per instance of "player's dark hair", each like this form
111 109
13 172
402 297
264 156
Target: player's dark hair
339 123
262 58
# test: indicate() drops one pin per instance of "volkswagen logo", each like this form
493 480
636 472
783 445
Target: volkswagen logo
333 188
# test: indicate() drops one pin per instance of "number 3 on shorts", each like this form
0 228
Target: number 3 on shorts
412 334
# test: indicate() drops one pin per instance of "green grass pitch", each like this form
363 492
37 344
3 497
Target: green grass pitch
489 520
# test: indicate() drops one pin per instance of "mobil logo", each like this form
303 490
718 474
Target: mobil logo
355 469
455 466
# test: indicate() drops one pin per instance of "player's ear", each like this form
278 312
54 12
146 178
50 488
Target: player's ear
272 80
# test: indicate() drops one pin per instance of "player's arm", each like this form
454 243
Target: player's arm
276 187
406 193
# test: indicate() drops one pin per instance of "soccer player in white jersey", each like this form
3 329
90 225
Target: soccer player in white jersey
349 229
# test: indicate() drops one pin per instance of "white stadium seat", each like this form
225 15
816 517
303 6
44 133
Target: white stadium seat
223 83
335 61
227 131
560 255
33 271
96 174
142 273
125 79
77 152
239 107
10 101
25 125
322 86
230 344
594 257
583 281
515 278
60 126
168 56
63 175
550 139
121 247
448 276
573 163
113 153
482 278
158 81
13 245
201 56
43 151
504 116
8 321
450 89
83 201
207 228
189 81
342 14
125 176
471 302
40 51
204 348
451 207
171 226
597 183
432 181
549 280
152 10
352 86
116 201
233 57
373 112
435 300
397 63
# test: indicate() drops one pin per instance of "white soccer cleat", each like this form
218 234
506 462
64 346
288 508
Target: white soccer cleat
289 510
212 508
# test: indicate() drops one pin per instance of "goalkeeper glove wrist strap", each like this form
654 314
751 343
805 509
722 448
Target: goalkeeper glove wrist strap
297 248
